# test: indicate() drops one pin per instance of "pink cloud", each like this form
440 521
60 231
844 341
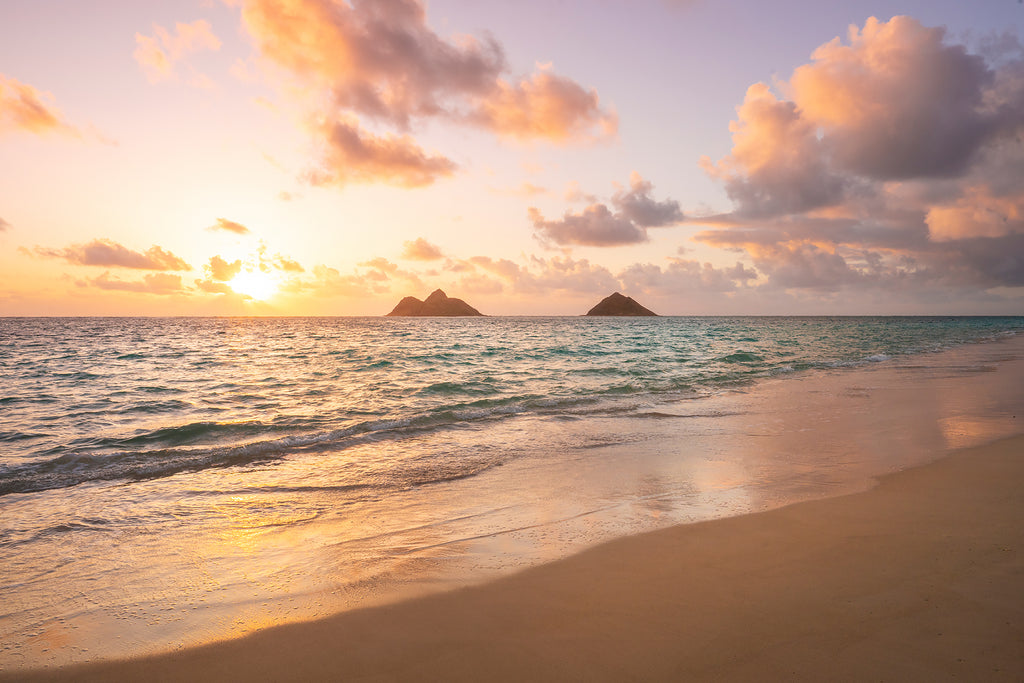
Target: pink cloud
684 276
538 276
421 250
102 252
330 282
977 213
382 270
151 283
596 225
379 61
353 155
377 58
573 193
544 106
806 266
776 165
896 161
638 206
897 101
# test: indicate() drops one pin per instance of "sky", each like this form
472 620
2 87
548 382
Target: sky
324 157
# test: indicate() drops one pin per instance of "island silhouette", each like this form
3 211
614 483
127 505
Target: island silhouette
437 304
440 304
617 304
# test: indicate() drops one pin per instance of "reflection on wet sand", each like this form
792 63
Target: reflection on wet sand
545 487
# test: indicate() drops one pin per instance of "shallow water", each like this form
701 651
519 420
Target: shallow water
171 481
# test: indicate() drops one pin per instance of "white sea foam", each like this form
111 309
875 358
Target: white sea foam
493 442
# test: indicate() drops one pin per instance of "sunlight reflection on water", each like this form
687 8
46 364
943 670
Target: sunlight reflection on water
108 568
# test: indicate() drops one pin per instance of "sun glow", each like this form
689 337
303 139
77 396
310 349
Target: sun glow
255 284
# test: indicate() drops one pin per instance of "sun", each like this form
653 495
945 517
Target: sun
255 284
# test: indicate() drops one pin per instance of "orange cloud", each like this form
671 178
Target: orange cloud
475 283
379 61
897 101
536 276
229 226
977 213
4 225
213 287
896 159
158 54
151 283
102 252
776 164
287 265
382 270
421 250
329 282
544 107
353 155
377 58
23 108
220 270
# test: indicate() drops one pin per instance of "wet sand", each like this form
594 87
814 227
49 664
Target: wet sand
918 579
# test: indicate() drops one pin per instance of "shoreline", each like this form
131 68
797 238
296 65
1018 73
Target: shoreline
919 578
799 437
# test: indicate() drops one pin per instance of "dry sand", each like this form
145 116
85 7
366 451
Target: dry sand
918 579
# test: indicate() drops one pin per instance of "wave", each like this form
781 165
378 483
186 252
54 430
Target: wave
281 392
200 445
460 389
11 437
742 357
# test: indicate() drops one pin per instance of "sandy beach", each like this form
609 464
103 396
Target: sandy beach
919 579
433 340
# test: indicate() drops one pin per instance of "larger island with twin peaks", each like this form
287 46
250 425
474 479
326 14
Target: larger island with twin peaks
440 304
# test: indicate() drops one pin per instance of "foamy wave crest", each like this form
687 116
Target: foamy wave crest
83 465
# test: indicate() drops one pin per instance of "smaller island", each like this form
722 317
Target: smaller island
437 304
619 305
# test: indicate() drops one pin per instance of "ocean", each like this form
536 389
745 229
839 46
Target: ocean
169 481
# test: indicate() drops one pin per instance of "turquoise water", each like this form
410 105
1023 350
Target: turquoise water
107 399
169 481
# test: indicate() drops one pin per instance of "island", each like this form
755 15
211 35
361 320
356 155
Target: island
437 304
616 304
